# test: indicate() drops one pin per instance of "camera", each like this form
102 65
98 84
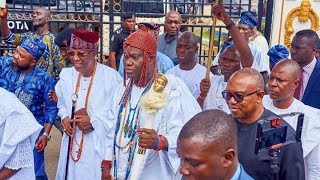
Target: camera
272 135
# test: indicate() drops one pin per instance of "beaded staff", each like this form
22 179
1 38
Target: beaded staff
151 103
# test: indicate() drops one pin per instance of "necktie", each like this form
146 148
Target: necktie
298 90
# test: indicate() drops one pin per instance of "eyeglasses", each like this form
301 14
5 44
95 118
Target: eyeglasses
238 97
80 54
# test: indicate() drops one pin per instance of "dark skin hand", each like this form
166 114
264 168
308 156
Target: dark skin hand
240 42
6 173
106 175
42 143
82 120
66 125
205 85
43 140
148 138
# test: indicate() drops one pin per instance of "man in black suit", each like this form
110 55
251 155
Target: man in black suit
303 51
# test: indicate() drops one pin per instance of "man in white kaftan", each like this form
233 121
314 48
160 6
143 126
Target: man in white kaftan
192 73
96 85
193 78
160 160
18 133
259 62
283 80
159 165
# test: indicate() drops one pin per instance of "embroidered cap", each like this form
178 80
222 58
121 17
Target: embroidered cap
82 39
64 37
34 46
142 40
248 18
277 53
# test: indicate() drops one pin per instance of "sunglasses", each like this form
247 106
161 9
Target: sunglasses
238 97
80 54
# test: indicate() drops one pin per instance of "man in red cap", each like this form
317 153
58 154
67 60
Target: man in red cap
86 91
152 110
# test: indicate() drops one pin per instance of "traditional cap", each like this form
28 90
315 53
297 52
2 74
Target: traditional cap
226 44
34 46
82 39
248 19
64 37
127 15
150 27
142 40
277 53
147 42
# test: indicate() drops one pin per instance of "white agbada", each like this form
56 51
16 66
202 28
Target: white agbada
168 122
104 84
216 99
258 58
262 43
193 78
18 133
310 133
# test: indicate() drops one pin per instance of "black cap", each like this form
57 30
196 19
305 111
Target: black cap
318 46
64 37
127 15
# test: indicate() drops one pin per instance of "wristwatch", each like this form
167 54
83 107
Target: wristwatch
228 26
47 135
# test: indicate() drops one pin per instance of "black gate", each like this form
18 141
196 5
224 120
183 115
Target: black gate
104 17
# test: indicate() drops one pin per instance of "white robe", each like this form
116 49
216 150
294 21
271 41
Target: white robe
262 43
18 133
258 58
168 122
216 99
193 78
104 84
310 133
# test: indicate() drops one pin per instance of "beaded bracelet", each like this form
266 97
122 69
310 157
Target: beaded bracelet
202 97
105 168
105 164
162 143
158 143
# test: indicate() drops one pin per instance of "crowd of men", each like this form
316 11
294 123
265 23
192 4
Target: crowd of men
154 113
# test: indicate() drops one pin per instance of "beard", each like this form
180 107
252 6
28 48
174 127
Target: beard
20 68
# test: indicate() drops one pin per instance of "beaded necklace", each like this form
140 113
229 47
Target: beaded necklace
126 128
86 106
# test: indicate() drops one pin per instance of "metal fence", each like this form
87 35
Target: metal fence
104 17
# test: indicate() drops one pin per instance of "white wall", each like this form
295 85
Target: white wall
288 6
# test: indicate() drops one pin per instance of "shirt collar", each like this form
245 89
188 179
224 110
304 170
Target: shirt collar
237 173
124 30
172 38
309 67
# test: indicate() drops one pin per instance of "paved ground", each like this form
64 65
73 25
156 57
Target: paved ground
52 153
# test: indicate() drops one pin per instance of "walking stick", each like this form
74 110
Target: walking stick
74 101
211 43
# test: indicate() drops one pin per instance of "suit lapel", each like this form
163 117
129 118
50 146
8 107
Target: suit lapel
313 79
